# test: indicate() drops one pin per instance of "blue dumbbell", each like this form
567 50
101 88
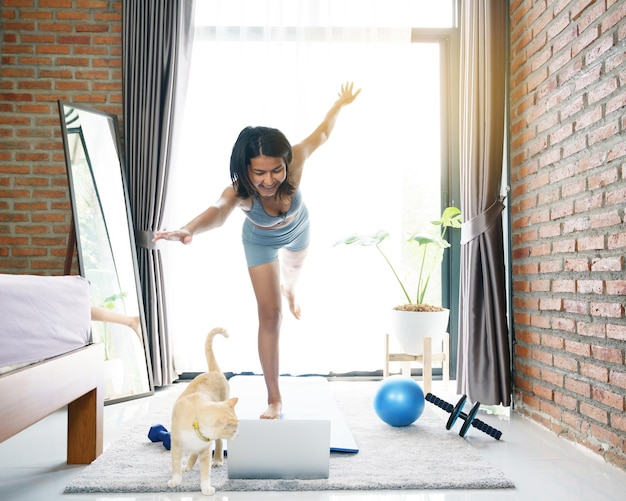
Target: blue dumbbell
158 433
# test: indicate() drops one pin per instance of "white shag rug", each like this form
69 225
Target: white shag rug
423 455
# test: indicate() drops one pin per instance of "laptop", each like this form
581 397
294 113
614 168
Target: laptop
279 449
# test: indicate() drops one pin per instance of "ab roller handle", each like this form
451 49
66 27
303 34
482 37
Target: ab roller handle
456 411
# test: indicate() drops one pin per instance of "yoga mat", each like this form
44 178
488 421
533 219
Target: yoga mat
304 397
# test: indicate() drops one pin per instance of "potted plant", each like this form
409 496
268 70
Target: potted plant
410 329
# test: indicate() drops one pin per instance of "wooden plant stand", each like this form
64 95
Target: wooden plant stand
426 360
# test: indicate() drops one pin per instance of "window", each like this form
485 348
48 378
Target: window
386 166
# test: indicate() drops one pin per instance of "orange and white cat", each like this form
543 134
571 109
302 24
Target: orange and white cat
203 414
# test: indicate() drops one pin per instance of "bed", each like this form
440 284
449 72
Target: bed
47 361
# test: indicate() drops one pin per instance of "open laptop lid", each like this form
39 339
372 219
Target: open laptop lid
284 449
304 397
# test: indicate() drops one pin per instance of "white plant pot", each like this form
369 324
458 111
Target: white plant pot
411 327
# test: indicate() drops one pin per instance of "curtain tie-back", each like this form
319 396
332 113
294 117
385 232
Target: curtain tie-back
143 239
482 222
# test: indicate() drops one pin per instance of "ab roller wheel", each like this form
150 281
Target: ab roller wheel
469 419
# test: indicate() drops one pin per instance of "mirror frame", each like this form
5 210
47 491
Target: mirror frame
75 238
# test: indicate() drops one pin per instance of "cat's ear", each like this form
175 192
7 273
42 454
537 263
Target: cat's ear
231 402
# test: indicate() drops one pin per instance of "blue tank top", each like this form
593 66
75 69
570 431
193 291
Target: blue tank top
259 217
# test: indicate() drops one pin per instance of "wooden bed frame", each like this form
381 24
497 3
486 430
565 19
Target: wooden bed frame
75 380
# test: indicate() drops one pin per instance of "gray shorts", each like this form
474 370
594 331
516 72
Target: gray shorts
262 246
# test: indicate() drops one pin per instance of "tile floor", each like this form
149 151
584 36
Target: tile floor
543 466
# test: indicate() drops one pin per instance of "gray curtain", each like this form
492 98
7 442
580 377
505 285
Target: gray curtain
157 37
483 366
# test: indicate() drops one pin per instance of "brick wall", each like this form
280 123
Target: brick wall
50 50
568 156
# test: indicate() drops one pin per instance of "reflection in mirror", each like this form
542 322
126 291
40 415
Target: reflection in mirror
106 248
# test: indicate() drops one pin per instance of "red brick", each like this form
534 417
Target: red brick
565 401
540 250
562 246
578 264
550 304
552 410
574 187
589 329
615 103
616 287
563 324
565 362
573 420
522 351
539 216
585 78
578 387
540 321
616 197
594 371
599 49
616 332
582 349
607 354
583 40
618 421
548 231
617 241
617 378
542 391
590 286
594 413
562 210
603 133
575 225
552 377
601 91
540 285
617 151
608 398
550 266
576 145
608 264
595 242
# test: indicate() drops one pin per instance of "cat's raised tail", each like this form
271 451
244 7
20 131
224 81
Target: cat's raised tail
208 348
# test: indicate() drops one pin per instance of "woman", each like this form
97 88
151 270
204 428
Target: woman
266 173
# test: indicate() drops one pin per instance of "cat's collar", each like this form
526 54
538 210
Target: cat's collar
196 427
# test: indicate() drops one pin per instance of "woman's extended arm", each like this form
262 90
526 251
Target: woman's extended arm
211 218
320 135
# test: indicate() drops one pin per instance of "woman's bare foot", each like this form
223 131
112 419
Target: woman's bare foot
135 324
273 411
291 299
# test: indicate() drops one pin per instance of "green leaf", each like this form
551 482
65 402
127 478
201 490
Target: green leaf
426 239
450 218
365 240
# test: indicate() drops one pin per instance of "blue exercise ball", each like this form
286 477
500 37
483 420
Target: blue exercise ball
399 401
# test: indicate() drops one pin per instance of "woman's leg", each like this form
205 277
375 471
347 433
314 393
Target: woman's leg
266 284
105 315
292 262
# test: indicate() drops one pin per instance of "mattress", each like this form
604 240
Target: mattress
42 317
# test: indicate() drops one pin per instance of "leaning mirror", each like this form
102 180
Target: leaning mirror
105 248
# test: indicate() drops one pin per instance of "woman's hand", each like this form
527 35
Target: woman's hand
347 94
181 235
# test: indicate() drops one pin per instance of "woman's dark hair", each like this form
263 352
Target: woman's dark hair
252 142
